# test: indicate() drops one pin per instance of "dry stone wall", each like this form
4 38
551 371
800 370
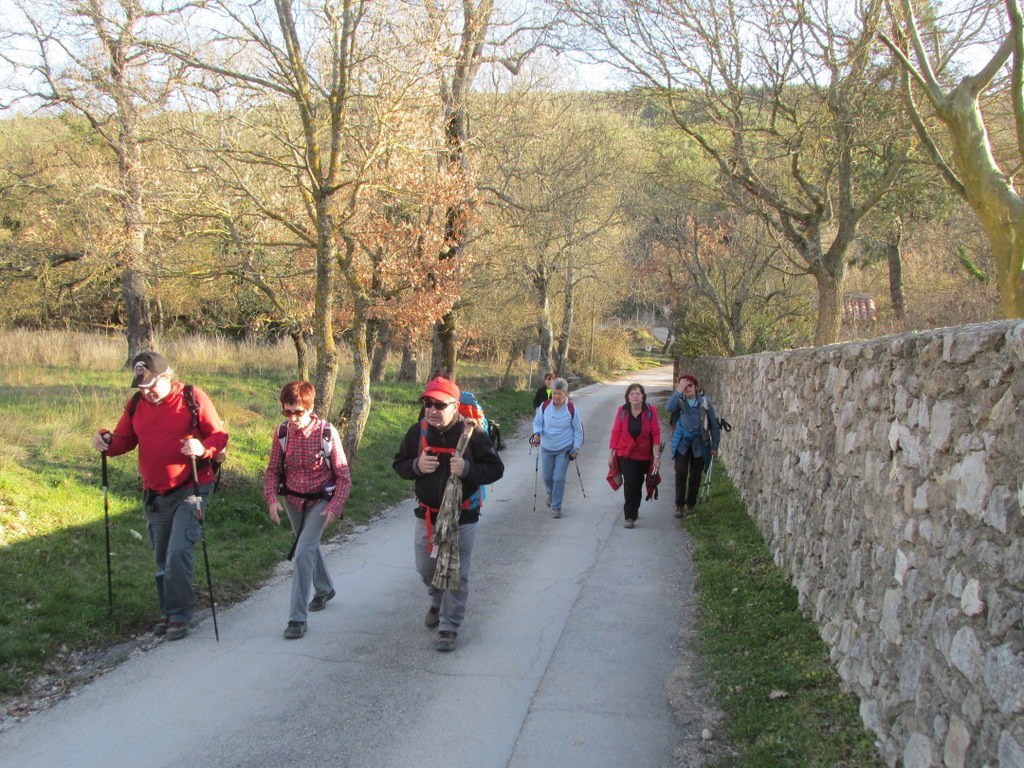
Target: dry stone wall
887 478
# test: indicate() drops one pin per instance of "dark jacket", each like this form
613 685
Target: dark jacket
542 394
485 466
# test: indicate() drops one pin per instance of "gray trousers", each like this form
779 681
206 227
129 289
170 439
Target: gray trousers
174 528
309 569
451 602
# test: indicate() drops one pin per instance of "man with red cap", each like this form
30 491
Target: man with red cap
429 456
694 440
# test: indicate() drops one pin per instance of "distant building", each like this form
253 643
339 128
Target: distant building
859 308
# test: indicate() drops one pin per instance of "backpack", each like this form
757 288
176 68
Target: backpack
572 411
470 408
326 448
572 408
702 402
189 393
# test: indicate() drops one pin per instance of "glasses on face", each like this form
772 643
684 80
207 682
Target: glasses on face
689 385
293 411
428 403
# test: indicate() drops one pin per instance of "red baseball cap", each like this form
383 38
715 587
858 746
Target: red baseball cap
443 390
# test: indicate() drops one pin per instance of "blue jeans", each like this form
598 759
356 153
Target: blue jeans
309 567
452 602
174 528
555 464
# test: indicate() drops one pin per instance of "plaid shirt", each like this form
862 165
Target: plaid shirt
307 470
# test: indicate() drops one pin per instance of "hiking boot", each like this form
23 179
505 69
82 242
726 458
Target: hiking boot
556 513
679 513
294 630
433 616
631 524
160 628
446 641
319 602
176 630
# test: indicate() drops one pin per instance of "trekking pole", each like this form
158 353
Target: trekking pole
578 474
202 533
106 525
298 533
705 488
536 475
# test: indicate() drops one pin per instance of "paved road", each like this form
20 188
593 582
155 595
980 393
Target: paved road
566 658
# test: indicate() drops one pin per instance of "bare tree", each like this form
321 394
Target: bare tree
556 183
472 34
94 57
966 106
785 99
328 89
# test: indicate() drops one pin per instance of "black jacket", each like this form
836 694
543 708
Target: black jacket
485 466
542 394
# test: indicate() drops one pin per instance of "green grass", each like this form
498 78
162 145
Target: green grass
768 666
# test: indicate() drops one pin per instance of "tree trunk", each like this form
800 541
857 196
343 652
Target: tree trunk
355 411
445 350
514 353
830 308
379 342
1007 239
301 353
323 312
547 336
138 326
409 370
738 346
894 256
568 310
133 283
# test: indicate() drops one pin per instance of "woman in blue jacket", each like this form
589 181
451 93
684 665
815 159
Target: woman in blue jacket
694 440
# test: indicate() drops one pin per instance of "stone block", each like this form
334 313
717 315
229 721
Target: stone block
958 741
1003 673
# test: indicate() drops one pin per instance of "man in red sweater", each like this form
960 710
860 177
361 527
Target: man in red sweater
170 424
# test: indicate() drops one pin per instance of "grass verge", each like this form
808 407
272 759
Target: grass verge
769 668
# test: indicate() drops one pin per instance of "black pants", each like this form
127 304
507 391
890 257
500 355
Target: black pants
689 470
633 473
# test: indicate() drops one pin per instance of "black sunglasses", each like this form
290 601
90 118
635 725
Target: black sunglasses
293 412
428 403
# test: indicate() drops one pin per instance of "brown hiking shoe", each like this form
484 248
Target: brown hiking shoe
433 616
446 641
319 602
176 630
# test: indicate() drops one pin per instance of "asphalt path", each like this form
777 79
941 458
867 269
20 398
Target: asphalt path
570 648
